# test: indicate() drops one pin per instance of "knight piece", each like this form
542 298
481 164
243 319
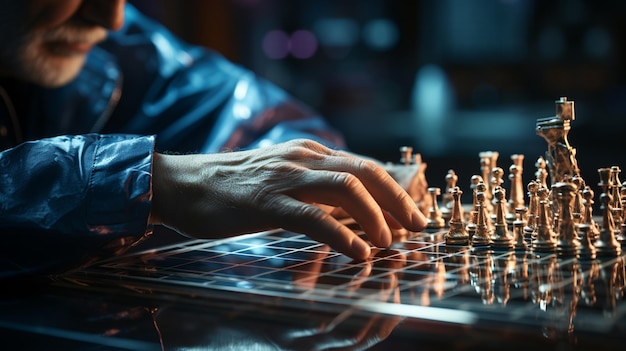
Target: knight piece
560 157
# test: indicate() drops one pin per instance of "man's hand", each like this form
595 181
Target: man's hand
226 194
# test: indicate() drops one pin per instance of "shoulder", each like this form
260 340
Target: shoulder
144 42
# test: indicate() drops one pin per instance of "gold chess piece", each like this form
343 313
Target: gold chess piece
435 219
457 234
482 237
447 201
560 157
501 237
530 229
567 244
516 196
519 223
606 244
545 240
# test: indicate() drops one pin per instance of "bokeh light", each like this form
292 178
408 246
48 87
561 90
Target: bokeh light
276 44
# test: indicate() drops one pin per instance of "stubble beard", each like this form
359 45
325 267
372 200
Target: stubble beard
44 58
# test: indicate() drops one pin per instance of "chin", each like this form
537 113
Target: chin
47 69
58 73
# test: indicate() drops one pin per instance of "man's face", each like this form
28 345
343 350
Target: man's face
46 41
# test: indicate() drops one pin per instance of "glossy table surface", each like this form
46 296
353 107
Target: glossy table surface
282 291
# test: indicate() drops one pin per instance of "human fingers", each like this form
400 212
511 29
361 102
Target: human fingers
388 194
345 190
312 221
386 191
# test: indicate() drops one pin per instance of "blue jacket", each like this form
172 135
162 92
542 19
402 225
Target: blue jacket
75 172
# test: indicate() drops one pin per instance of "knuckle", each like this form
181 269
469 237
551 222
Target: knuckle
299 149
371 167
309 148
402 197
347 180
371 170
311 214
286 170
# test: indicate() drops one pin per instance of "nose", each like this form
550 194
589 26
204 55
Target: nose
106 13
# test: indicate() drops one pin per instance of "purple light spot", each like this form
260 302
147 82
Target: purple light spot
276 44
303 44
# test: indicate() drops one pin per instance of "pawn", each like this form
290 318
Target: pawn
586 250
482 237
605 179
457 235
622 237
541 174
477 186
530 229
446 200
616 204
475 180
435 219
516 196
594 230
545 240
481 187
579 203
616 184
501 238
497 174
474 183
406 155
607 245
567 244
496 180
520 243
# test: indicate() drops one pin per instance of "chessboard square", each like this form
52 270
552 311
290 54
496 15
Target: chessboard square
201 267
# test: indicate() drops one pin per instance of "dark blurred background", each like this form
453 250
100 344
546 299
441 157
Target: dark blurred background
449 77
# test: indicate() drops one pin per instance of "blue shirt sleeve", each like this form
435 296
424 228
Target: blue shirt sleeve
70 199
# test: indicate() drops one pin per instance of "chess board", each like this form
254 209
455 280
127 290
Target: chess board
419 278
